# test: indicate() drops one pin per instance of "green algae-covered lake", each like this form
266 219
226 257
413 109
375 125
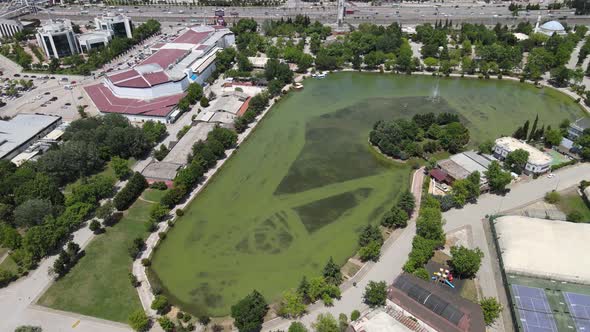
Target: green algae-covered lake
306 181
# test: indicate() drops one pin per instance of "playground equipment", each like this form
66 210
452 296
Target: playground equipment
443 276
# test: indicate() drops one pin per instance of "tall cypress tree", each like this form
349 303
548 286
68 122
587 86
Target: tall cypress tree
525 130
533 133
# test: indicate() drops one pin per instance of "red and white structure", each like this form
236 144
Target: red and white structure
152 89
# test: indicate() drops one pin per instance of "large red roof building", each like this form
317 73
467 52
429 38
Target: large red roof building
151 90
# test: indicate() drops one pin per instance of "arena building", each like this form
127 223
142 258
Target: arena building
152 89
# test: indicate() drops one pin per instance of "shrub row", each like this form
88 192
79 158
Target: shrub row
567 163
129 194
257 104
204 156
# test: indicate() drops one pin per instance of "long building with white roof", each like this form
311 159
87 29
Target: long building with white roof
538 162
152 89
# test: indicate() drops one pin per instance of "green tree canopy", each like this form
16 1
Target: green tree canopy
248 313
375 294
466 262
491 309
516 160
326 323
497 178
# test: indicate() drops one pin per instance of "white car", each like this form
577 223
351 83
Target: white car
551 175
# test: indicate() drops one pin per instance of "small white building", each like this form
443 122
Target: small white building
549 28
538 162
119 24
94 40
57 39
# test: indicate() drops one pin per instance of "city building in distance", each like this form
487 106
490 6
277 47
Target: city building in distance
119 24
57 39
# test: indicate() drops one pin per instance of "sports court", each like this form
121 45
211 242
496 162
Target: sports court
579 307
533 309
544 305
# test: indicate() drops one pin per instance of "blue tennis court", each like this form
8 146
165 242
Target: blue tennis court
579 307
533 309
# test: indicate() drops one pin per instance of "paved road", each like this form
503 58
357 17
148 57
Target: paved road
409 13
393 257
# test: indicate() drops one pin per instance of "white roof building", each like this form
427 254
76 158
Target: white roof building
544 248
549 28
18 133
538 162
94 40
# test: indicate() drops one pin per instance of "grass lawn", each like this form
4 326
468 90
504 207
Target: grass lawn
153 195
573 202
9 265
99 284
306 182
108 171
469 291
350 268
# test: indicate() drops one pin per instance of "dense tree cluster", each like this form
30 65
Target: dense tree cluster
31 200
300 26
204 156
67 259
370 241
278 75
466 190
126 196
400 213
429 236
498 179
257 104
91 142
583 143
425 133
370 44
194 93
